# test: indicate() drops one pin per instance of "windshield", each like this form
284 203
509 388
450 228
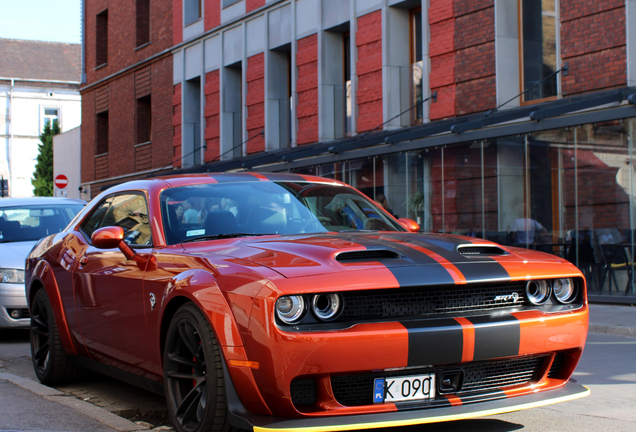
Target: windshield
28 223
257 208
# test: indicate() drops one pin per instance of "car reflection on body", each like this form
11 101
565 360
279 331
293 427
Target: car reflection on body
281 301
23 221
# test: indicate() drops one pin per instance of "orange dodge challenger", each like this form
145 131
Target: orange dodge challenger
279 302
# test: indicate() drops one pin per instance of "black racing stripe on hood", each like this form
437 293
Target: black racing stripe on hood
435 342
496 336
432 273
474 269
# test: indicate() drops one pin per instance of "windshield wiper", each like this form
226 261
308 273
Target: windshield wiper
221 236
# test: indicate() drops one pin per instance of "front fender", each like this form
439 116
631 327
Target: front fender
43 274
201 288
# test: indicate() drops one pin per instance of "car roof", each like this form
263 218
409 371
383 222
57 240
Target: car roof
13 202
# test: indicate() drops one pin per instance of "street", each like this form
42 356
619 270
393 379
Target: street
607 368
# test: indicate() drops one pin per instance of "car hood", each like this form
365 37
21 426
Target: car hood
444 257
13 255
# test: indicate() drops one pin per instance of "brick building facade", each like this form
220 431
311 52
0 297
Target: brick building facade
127 97
468 115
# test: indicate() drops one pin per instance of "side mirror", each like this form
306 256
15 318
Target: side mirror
112 237
409 224
108 237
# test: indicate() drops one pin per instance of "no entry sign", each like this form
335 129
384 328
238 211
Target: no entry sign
61 181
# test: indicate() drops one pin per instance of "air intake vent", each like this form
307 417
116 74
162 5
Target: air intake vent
367 255
481 250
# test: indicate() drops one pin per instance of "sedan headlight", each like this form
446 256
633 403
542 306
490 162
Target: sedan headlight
12 276
564 290
290 309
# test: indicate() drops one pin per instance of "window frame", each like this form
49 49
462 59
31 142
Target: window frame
101 48
138 29
89 215
557 24
412 60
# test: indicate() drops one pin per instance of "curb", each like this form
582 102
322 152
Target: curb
612 330
97 413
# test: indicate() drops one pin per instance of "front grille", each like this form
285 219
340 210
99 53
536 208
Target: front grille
367 255
425 301
481 250
303 392
557 364
356 390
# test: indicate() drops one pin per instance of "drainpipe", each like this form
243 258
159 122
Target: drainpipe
10 149
83 18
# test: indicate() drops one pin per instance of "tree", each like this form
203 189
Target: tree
43 176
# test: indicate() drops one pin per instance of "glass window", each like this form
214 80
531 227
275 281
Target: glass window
143 120
128 211
51 115
539 48
101 38
262 208
143 22
28 223
417 66
192 11
101 133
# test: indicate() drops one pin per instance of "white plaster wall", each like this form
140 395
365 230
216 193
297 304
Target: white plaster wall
67 160
26 114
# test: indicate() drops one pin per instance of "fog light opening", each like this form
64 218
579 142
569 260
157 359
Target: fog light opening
15 314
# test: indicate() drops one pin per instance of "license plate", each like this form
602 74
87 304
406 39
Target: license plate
398 389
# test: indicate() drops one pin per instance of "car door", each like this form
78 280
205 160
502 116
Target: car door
109 288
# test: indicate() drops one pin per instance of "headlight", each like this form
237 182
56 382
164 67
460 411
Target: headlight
538 291
326 307
12 276
564 290
290 308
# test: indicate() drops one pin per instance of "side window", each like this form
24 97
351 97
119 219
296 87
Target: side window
128 211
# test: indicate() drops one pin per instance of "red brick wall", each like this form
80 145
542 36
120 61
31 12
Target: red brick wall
307 88
122 34
121 103
176 125
593 40
177 21
369 68
212 11
251 5
462 51
212 115
255 101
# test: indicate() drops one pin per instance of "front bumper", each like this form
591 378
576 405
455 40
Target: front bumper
12 296
503 404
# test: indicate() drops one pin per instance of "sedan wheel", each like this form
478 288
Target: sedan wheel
50 362
193 374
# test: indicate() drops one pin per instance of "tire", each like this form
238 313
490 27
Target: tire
50 362
193 374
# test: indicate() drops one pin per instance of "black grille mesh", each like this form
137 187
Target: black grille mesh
366 255
303 392
422 301
557 364
481 250
356 390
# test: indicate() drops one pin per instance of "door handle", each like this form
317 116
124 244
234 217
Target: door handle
83 261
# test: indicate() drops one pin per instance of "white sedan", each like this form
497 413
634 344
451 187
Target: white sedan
24 221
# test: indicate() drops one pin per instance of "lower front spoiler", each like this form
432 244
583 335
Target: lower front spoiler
570 391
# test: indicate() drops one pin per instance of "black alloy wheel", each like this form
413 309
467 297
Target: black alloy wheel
50 362
193 374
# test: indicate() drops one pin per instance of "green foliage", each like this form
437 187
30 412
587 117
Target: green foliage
43 176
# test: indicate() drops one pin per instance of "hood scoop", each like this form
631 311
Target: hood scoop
367 255
473 250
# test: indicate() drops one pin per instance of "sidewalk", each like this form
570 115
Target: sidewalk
613 320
